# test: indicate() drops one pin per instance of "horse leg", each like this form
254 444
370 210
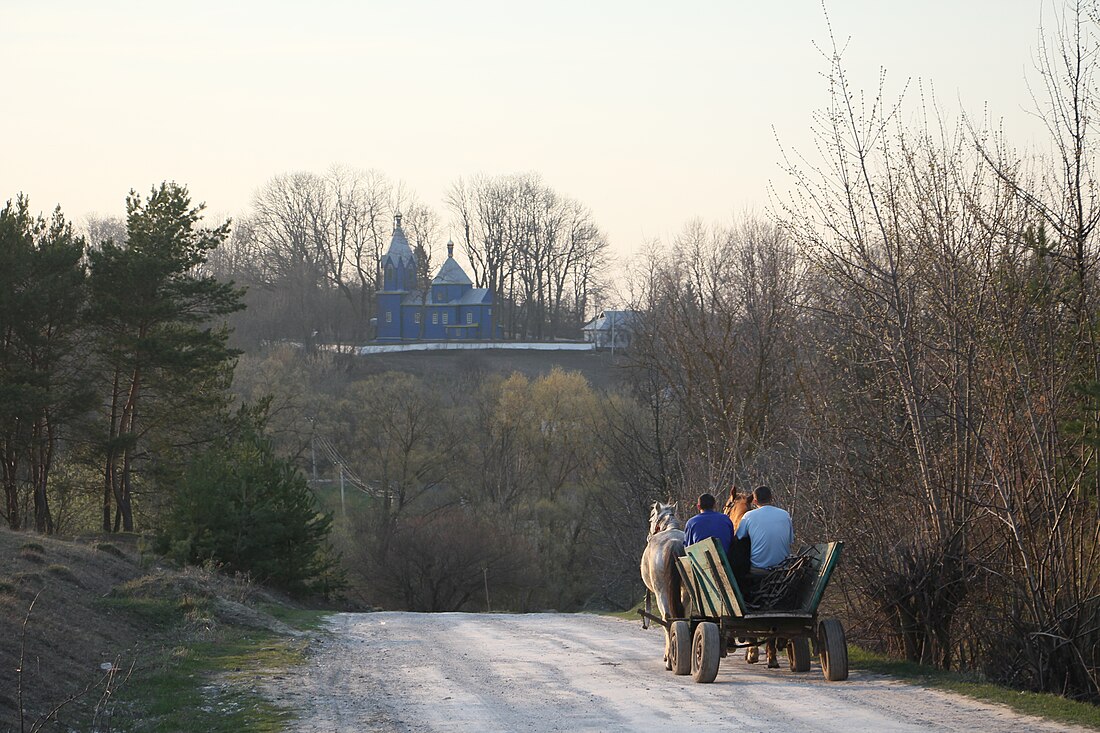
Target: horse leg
752 654
645 619
773 661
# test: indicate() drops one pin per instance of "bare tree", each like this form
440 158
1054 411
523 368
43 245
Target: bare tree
529 245
314 234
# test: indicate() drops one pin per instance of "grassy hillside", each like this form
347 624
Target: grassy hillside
96 635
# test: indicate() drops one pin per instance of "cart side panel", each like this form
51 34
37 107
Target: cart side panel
710 563
830 555
710 604
687 576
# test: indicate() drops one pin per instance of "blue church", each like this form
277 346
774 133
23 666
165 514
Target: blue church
449 309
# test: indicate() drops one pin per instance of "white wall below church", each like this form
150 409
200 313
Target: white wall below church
452 345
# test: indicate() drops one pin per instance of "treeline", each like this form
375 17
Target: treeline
464 489
309 249
115 405
908 352
111 355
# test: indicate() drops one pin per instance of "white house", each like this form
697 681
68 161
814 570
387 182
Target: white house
610 329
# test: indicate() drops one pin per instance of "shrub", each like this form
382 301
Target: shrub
244 509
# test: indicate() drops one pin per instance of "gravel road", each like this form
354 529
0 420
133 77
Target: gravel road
504 673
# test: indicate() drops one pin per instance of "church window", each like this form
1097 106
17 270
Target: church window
389 316
435 317
444 319
469 318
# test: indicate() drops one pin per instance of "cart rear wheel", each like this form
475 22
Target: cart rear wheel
679 647
834 650
706 651
798 654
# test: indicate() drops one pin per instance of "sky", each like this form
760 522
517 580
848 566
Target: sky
650 113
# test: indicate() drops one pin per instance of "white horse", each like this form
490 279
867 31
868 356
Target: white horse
664 545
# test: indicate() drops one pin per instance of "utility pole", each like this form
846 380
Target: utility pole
343 509
312 450
485 573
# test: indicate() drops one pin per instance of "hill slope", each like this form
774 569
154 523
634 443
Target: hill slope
83 615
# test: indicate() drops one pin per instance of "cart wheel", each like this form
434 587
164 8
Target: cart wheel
798 654
706 651
834 650
679 647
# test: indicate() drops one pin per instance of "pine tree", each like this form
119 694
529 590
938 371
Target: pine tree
157 343
42 384
242 507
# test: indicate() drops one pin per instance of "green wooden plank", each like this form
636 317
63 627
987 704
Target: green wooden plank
712 602
721 592
690 581
732 591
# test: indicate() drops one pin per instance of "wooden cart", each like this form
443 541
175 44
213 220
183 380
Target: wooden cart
720 620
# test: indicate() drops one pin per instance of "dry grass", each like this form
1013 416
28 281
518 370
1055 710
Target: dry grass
100 600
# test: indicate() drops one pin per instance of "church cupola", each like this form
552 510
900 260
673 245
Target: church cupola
398 263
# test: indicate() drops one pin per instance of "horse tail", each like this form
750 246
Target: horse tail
676 585
675 592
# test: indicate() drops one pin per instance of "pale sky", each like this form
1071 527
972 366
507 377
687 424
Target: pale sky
651 113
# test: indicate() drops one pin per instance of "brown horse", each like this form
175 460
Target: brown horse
737 505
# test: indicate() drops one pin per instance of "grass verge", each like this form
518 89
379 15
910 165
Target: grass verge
298 618
212 683
213 686
1044 705
630 614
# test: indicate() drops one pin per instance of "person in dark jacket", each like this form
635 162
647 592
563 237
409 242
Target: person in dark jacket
709 523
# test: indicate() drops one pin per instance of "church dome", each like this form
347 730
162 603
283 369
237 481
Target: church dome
451 273
399 248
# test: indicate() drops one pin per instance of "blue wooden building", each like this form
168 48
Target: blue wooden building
450 308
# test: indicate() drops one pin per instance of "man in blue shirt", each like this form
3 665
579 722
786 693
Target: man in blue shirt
770 530
709 523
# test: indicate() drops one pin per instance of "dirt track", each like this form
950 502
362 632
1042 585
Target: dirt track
557 672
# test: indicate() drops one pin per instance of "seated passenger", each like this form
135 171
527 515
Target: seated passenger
709 523
770 531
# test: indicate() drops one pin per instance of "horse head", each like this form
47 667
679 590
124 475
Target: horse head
662 516
737 505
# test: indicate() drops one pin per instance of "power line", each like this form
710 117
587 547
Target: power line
329 451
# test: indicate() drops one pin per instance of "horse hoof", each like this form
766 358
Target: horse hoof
773 663
752 655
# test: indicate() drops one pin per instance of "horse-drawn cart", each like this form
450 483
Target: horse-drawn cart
720 619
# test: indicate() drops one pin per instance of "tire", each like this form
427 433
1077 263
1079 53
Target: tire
798 654
834 650
706 652
679 647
